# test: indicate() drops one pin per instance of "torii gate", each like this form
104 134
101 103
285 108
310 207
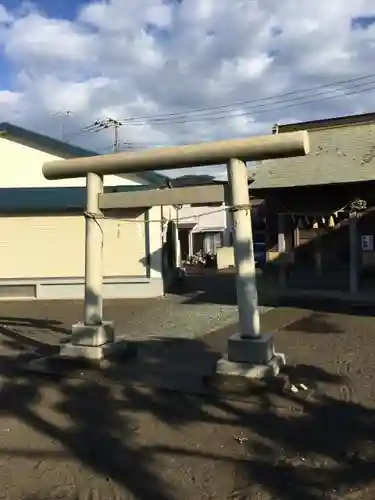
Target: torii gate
250 353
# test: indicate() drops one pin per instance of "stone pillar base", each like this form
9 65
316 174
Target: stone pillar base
82 352
253 350
250 371
251 357
93 335
89 341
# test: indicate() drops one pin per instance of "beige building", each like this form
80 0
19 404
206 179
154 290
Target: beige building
203 228
42 227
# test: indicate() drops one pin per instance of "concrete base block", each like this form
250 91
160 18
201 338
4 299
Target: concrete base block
93 335
109 351
74 360
225 367
253 351
92 353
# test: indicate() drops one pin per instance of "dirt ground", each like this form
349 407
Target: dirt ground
88 438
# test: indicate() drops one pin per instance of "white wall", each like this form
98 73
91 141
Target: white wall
21 166
225 257
155 239
205 218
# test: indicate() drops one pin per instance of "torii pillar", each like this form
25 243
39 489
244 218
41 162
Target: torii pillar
250 352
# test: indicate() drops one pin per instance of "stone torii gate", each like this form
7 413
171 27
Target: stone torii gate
250 353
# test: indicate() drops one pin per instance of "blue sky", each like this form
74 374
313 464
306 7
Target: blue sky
363 22
153 64
65 9
6 73
60 9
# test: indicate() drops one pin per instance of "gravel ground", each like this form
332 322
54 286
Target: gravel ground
185 317
191 311
82 439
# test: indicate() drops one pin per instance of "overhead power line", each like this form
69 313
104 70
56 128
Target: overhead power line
260 106
259 109
332 86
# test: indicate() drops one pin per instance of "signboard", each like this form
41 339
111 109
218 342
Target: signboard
367 242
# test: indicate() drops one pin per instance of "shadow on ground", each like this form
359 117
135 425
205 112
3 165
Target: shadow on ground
19 333
40 324
304 445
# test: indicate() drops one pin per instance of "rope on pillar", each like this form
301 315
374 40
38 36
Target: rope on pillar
237 208
95 217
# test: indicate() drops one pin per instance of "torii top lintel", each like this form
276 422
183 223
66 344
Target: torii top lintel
211 153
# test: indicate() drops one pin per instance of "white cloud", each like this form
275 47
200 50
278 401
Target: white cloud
37 38
137 58
68 95
5 16
8 98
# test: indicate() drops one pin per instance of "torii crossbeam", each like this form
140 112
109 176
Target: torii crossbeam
250 353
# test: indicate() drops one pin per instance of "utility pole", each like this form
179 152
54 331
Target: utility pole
113 124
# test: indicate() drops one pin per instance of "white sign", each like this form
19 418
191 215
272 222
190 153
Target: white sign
367 242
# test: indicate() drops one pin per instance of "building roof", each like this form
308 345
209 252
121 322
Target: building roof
342 150
51 199
336 121
60 148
